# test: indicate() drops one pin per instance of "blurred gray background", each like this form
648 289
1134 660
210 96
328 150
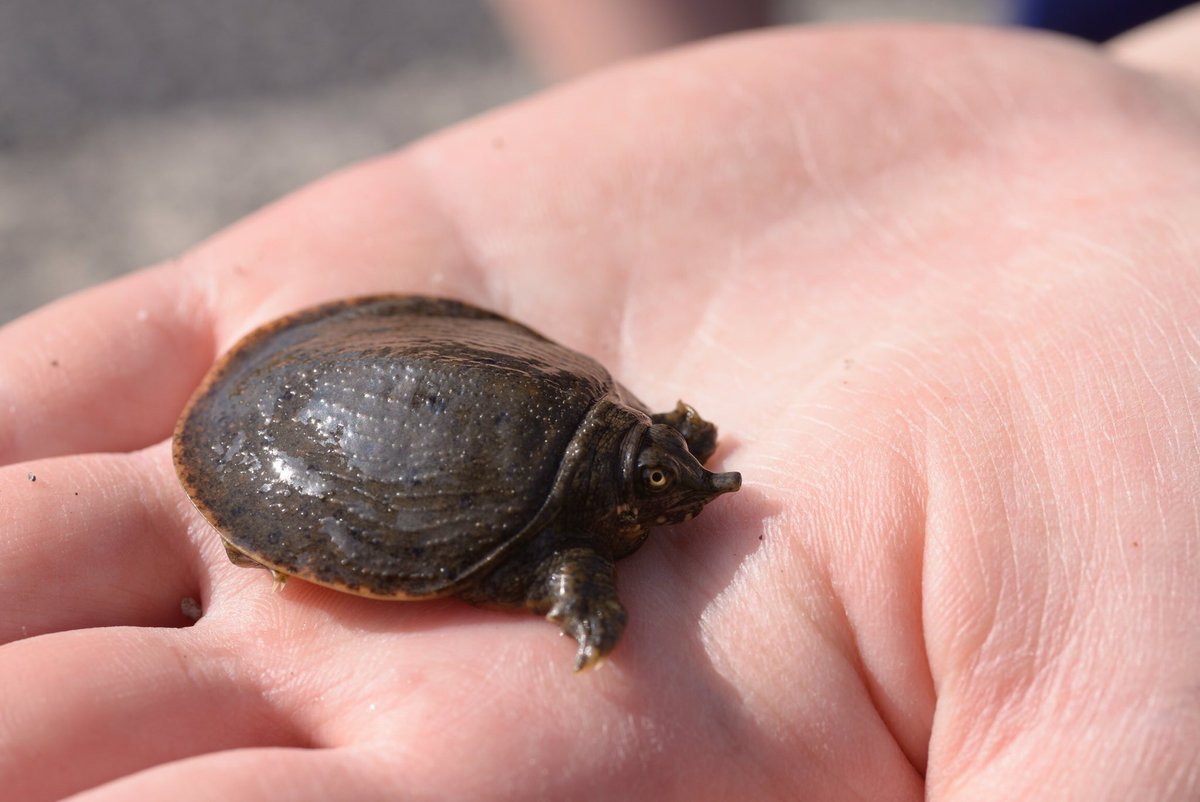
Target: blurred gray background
131 129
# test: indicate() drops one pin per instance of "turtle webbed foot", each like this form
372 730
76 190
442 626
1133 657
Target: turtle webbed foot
595 624
581 590
701 436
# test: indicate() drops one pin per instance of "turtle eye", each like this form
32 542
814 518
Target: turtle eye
656 479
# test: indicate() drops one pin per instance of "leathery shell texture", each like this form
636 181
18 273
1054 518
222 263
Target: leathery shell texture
388 446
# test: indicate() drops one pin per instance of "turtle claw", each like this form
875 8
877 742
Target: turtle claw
587 658
596 625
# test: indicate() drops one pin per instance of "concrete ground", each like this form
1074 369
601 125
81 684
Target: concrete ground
131 129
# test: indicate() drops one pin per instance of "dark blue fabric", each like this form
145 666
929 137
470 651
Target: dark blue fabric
1092 19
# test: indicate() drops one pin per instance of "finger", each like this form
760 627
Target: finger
81 708
105 370
1167 45
94 541
266 774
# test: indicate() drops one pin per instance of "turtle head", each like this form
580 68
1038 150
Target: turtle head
668 483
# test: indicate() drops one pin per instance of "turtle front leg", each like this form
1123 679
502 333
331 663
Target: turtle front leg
571 583
700 435
579 592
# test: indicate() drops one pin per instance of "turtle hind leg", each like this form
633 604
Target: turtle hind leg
240 558
700 435
243 560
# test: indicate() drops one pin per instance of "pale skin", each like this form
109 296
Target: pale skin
567 39
938 288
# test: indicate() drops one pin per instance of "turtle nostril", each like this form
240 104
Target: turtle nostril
727 482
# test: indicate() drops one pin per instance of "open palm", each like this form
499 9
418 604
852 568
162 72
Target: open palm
939 291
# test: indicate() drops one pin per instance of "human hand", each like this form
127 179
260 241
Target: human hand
937 287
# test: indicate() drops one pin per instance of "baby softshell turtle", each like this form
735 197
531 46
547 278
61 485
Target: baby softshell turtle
405 447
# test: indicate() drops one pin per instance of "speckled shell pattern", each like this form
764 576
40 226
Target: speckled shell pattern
390 446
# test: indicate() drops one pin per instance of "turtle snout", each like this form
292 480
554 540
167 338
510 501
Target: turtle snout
725 482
